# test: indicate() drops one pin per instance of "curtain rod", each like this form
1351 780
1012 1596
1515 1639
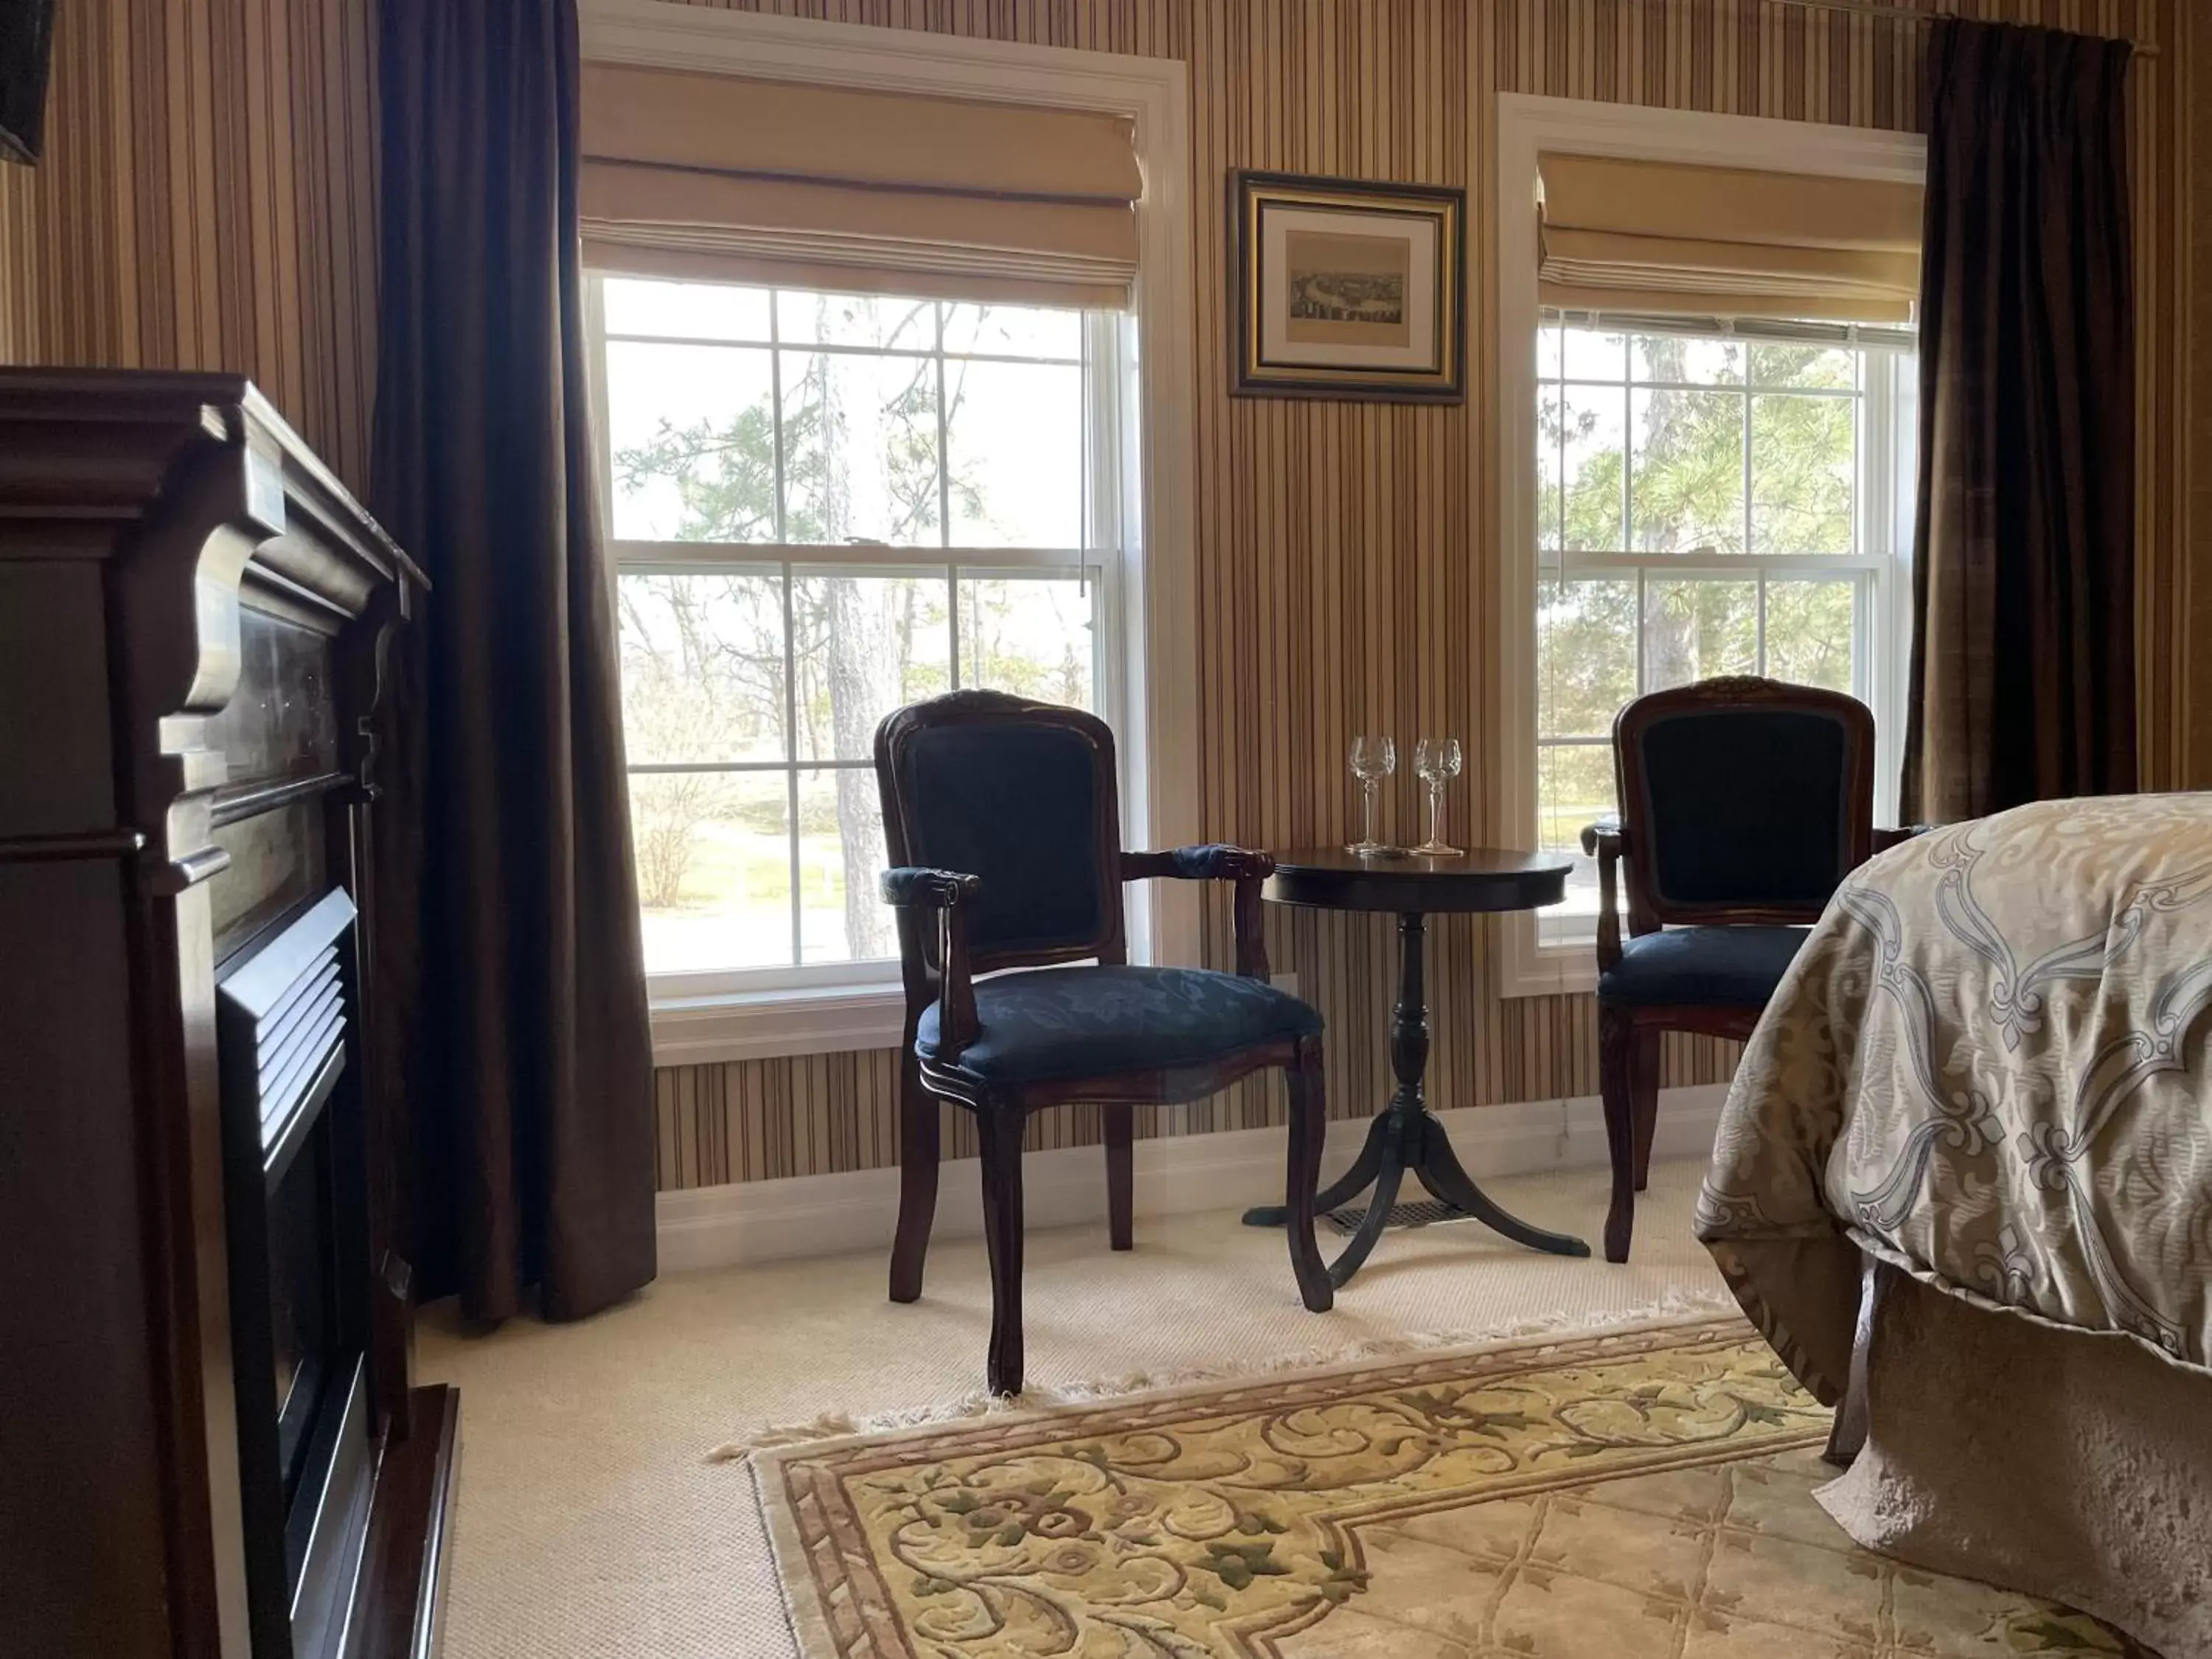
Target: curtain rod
1912 15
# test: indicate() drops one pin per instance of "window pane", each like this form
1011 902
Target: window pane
1694 629
1547 352
1574 787
1812 632
804 318
1013 436
702 668
1585 655
714 869
1804 366
1803 459
860 443
1685 486
865 644
1014 331
1029 635
842 918
1589 355
1550 417
1594 421
692 430
1676 358
698 311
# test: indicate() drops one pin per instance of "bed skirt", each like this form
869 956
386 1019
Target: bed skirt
2072 1464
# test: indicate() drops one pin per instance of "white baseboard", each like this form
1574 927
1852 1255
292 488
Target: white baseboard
834 1214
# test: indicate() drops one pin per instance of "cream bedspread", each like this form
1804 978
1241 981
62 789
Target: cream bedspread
1992 1065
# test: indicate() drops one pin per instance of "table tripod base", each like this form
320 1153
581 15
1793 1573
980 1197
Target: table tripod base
1405 1141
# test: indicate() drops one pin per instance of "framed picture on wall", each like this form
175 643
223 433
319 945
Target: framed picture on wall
1344 288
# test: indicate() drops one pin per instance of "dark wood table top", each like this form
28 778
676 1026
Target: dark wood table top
1480 878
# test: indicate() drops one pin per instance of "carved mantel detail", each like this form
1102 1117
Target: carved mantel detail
194 499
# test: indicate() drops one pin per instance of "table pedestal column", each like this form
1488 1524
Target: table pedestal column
1406 1137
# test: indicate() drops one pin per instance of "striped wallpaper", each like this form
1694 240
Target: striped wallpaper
207 200
210 200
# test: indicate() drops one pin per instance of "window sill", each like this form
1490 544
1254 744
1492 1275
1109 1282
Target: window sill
829 1019
1550 970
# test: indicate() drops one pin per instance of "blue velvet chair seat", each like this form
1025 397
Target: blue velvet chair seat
1734 967
1089 1022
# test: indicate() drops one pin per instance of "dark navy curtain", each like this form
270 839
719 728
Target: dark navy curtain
529 1061
2023 655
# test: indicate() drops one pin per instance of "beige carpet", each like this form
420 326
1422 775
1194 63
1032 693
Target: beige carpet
590 1523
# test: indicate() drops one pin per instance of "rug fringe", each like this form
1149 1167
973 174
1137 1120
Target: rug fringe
1677 1305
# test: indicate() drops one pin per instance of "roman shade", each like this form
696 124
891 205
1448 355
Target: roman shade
1671 238
717 176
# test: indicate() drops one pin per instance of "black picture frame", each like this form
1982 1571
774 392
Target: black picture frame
1257 371
26 41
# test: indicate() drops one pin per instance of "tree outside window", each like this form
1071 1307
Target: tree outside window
751 439
1699 514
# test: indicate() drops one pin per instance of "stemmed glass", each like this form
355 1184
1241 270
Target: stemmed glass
1437 762
1373 759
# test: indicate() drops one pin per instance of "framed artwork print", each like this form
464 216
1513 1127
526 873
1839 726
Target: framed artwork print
1348 288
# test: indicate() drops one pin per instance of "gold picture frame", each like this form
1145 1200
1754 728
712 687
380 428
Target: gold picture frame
1348 288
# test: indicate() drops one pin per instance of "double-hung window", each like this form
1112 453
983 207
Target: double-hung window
1730 501
1704 439
825 506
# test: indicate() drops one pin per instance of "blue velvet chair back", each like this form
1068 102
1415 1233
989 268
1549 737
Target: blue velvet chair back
1023 795
1742 799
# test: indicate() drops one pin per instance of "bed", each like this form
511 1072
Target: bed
1963 1183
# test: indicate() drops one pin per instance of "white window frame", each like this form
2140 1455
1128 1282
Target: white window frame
1106 357
1155 683
1528 127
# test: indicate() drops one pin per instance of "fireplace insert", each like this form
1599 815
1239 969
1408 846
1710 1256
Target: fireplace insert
299 1271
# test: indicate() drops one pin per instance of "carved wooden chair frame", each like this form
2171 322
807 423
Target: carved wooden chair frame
939 967
1628 1037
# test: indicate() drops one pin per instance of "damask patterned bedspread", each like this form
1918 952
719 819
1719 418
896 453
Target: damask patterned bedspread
1992 1065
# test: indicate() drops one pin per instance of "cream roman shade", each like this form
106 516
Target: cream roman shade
1668 238
711 176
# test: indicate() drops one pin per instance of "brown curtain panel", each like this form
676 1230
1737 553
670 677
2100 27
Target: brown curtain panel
529 1071
2023 652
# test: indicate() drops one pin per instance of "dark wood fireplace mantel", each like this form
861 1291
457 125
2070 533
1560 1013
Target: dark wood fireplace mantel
203 1321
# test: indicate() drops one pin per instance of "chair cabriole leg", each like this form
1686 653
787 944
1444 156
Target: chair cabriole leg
1000 1131
1120 1177
1309 1133
1617 1039
1643 1095
918 1155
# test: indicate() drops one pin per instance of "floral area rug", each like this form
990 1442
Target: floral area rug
1638 1493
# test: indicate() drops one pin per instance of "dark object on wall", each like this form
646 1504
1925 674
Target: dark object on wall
1346 289
2023 566
27 46
1744 803
531 1066
1002 818
204 1330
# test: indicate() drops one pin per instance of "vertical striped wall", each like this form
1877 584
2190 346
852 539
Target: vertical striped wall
1345 566
209 201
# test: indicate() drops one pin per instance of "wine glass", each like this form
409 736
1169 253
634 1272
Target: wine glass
1437 762
1373 759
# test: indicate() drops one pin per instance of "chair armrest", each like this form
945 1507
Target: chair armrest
1885 839
1606 841
1217 861
916 884
948 893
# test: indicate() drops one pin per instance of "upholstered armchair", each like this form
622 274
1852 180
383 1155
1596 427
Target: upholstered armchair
1744 803
1002 819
